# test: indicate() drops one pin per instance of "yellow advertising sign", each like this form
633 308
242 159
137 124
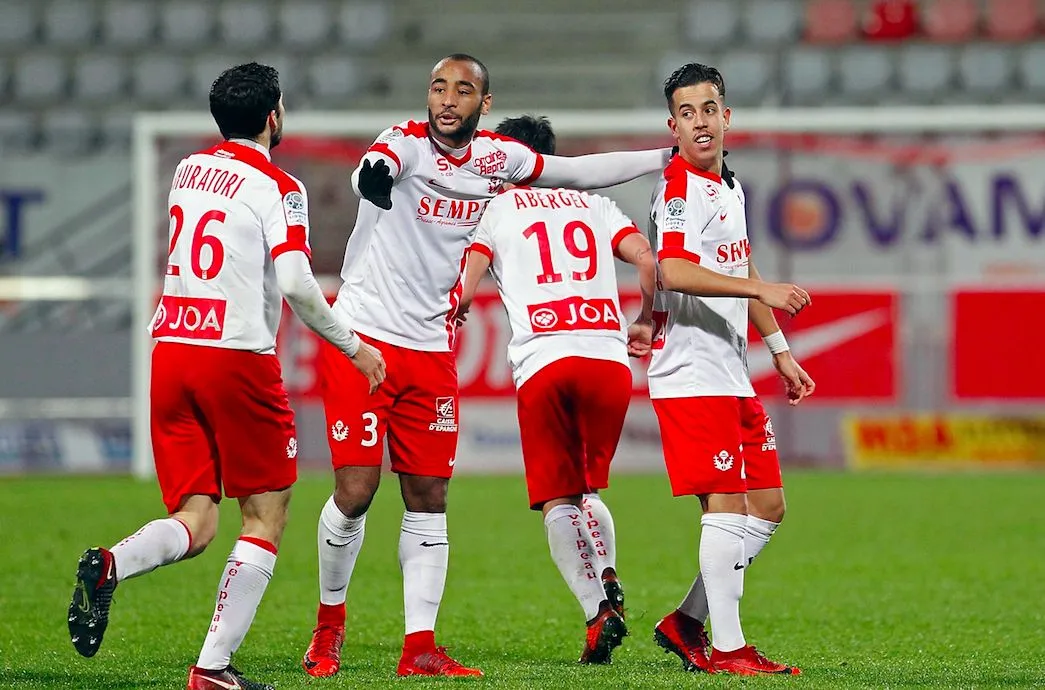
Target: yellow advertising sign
939 440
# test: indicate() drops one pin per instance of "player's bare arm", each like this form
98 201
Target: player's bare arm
635 250
798 383
476 267
682 275
597 170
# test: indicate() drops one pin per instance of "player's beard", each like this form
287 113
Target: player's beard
462 133
277 136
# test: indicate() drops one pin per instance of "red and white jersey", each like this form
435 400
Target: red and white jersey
402 267
699 343
231 213
551 253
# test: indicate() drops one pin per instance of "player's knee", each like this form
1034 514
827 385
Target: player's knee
353 500
772 510
424 494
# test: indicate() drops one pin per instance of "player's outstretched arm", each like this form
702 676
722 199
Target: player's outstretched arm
798 383
597 170
305 297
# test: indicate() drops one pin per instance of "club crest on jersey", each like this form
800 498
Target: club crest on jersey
770 443
294 208
292 448
723 461
491 162
495 186
339 431
445 415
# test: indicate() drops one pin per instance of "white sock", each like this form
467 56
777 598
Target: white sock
424 552
572 551
247 573
722 565
340 539
756 536
600 525
159 542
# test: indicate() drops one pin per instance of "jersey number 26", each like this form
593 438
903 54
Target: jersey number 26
199 241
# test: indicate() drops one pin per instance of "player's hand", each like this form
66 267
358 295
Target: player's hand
461 317
798 384
785 296
375 184
640 338
371 364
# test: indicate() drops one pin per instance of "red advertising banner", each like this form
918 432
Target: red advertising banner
846 341
994 336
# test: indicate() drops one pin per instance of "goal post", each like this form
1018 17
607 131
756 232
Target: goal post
769 145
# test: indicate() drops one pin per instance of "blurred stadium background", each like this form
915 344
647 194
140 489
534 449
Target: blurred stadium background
891 152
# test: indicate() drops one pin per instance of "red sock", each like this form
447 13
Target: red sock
331 614
419 642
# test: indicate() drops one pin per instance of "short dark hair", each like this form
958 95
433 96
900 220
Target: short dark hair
690 75
533 130
242 97
465 57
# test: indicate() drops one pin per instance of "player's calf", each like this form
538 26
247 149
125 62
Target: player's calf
89 609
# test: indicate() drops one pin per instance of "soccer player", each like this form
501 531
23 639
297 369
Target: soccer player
427 184
551 253
220 417
718 441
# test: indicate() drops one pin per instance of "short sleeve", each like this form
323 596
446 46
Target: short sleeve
399 144
680 222
285 218
613 220
483 240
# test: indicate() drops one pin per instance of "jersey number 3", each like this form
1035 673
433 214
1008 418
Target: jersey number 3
199 241
588 253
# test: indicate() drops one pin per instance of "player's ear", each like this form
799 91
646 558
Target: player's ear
272 121
484 108
674 127
727 117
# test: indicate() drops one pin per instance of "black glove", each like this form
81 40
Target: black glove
727 174
375 184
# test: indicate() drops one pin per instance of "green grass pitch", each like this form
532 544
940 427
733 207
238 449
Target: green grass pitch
879 581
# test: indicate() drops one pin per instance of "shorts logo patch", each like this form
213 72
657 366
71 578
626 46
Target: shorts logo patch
292 448
339 432
770 442
445 415
723 461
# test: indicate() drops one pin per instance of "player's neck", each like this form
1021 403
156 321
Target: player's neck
261 143
714 166
454 148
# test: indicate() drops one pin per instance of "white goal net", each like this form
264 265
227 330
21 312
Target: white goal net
896 219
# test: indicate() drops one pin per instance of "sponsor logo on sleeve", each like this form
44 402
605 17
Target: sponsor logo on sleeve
294 208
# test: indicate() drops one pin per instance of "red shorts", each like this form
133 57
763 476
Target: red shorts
571 414
416 407
717 445
220 417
